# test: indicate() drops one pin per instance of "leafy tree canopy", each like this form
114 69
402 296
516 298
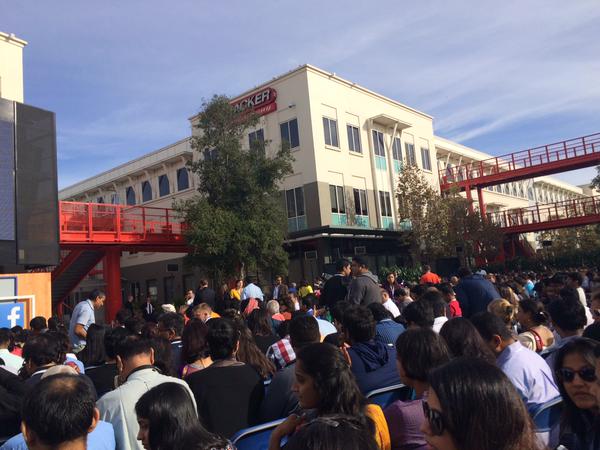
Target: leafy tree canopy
237 220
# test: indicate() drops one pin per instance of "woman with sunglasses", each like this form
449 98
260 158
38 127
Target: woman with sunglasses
472 405
580 421
326 386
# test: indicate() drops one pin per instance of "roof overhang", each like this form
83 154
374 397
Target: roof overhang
389 121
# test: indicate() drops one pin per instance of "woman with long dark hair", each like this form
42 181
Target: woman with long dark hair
463 339
194 351
533 318
94 353
472 405
325 385
575 373
261 326
248 352
168 420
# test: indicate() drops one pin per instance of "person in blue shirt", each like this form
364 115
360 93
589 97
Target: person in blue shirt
252 290
373 362
527 370
82 317
474 292
386 330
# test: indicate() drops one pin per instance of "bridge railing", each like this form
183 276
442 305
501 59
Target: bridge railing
567 209
533 157
99 222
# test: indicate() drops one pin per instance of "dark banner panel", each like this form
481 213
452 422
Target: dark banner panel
7 168
36 187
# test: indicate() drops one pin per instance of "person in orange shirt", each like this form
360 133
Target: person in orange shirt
429 276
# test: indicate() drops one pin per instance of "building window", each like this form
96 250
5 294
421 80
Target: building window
183 181
411 158
289 133
256 136
499 188
354 139
115 199
295 209
397 150
378 146
330 130
130 195
360 202
385 203
425 158
338 201
146 191
163 185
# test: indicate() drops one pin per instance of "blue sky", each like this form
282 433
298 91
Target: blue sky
123 77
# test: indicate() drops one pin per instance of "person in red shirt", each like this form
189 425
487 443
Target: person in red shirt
450 298
429 276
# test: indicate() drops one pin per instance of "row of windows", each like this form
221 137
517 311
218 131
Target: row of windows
518 190
338 201
164 189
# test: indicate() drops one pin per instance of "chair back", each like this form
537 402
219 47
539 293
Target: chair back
388 395
255 438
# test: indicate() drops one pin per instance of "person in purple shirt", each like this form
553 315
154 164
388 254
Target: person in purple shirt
527 370
418 352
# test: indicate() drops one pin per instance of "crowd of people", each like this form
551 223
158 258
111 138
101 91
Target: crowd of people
478 353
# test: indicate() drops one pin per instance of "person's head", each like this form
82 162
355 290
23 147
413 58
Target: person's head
454 280
418 314
554 284
575 372
308 303
504 310
123 315
447 292
202 312
426 268
6 338
97 297
42 350
193 340
222 338
273 307
203 283
531 313
278 280
358 324
343 267
304 330
391 278
112 337
133 352
250 279
189 294
170 325
167 419
567 315
575 280
493 330
334 431
463 339
94 352
385 296
239 284
436 299
325 382
359 265
595 306
337 313
379 312
259 322
472 405
506 293
38 324
59 410
418 352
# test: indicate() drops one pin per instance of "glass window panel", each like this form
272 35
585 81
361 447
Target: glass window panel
285 133
341 200
291 203
130 194
363 202
299 201
327 131
163 185
294 138
334 133
333 198
182 179
357 209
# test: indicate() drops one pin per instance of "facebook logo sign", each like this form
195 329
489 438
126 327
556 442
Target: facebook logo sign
12 314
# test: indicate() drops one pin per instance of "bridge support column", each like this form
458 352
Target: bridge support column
481 202
470 199
112 278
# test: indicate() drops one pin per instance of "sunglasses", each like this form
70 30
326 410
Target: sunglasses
435 419
586 374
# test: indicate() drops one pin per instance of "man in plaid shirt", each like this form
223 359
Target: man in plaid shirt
281 353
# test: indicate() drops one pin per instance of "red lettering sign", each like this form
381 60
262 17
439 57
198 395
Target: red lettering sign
262 102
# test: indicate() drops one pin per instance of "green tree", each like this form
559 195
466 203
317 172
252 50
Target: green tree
237 220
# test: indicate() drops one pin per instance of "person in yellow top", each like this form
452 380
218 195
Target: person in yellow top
325 385
305 289
236 292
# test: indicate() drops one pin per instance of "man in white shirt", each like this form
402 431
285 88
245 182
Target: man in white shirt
189 297
83 316
135 359
389 304
575 281
252 290
436 300
12 363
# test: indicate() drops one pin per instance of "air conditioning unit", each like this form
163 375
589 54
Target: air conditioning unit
362 250
311 255
172 267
